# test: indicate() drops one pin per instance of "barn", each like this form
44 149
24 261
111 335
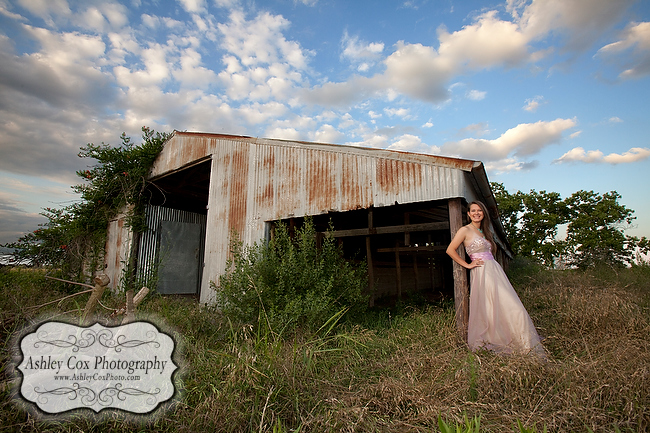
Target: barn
396 210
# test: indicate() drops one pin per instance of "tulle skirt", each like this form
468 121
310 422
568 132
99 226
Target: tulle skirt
498 320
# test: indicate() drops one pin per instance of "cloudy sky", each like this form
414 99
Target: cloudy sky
550 94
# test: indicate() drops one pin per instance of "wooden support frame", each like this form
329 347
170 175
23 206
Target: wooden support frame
461 287
406 228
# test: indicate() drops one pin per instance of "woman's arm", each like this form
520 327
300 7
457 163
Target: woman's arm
461 234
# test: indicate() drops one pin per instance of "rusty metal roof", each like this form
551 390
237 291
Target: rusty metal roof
197 146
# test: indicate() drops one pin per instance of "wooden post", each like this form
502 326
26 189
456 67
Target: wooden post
371 272
461 292
101 281
398 271
129 316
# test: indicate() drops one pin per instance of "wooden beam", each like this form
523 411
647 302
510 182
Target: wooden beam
461 292
423 227
413 249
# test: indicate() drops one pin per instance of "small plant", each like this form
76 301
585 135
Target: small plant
522 429
468 426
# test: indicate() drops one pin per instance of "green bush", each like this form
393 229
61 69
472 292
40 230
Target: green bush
285 282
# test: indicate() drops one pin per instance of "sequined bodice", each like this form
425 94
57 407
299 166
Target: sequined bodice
478 245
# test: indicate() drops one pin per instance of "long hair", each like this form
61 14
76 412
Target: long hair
486 224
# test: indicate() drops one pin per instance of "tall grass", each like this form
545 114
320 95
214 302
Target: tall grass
402 370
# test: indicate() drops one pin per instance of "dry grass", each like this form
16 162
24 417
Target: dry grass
402 374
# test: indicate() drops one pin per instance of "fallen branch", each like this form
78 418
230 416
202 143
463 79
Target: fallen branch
70 282
36 307
101 281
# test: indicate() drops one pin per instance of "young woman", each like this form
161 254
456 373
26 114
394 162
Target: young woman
498 320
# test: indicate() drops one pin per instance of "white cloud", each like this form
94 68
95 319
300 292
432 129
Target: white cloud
487 43
46 9
102 18
421 72
261 63
412 143
523 140
509 165
260 41
257 113
578 154
399 112
283 133
477 129
615 119
533 104
156 69
372 140
193 6
476 95
326 134
581 21
359 52
191 73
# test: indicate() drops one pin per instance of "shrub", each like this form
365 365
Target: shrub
286 282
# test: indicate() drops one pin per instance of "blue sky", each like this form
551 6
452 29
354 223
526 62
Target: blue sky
550 94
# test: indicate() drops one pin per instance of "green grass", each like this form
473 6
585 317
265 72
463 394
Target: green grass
404 370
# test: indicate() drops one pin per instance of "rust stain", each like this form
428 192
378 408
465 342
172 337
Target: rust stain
395 177
321 182
289 183
238 189
266 171
350 194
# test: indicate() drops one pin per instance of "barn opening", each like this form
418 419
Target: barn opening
171 251
403 245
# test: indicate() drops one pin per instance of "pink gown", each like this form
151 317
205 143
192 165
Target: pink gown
498 320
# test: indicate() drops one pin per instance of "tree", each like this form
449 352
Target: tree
595 227
531 222
595 231
73 237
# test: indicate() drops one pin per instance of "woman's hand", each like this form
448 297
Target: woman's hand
475 264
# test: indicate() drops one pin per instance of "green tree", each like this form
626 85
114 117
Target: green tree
531 222
595 231
73 237
595 227
510 209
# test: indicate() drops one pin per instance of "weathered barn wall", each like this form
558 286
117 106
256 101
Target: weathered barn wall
254 181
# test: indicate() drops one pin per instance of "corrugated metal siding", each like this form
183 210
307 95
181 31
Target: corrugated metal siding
148 247
256 182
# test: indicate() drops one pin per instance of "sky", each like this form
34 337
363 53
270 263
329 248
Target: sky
551 95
